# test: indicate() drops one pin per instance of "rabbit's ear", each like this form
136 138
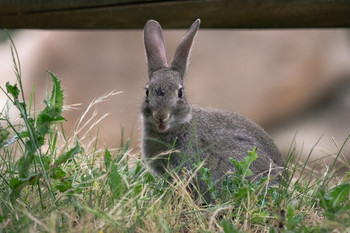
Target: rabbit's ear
182 52
154 44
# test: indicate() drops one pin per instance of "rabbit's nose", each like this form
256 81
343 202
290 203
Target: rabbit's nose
161 117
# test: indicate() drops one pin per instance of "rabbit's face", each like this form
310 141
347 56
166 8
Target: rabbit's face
165 105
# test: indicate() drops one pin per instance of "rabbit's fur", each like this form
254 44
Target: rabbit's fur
177 134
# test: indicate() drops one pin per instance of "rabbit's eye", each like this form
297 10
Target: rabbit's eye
147 92
180 93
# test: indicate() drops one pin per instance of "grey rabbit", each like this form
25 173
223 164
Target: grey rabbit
176 134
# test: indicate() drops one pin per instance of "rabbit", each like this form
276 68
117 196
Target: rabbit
177 134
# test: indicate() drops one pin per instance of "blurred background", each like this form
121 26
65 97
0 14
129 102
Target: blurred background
294 83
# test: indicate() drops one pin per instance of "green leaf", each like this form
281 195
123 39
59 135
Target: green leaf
17 184
24 134
45 159
52 114
259 217
4 133
339 194
24 164
248 161
242 167
2 217
272 229
63 185
334 201
137 189
290 217
66 156
58 174
108 158
228 227
115 181
13 90
148 177
56 100
45 120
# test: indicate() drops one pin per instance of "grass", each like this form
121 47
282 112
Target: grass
50 183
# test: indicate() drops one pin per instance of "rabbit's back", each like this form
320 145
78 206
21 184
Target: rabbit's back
227 134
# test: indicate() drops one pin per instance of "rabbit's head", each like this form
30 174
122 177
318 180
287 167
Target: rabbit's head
165 105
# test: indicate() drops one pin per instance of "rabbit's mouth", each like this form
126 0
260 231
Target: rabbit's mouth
161 119
162 127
